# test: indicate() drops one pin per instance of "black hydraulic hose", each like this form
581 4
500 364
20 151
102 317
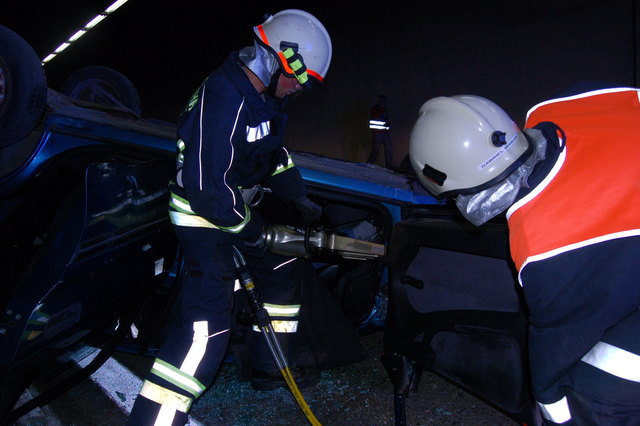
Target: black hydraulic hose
264 323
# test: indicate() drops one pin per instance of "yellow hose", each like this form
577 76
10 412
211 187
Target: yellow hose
264 323
288 377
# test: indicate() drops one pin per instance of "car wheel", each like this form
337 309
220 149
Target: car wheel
102 85
23 87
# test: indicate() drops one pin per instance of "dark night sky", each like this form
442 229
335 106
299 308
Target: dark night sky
516 52
164 47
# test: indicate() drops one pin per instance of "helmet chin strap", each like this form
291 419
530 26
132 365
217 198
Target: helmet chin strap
273 83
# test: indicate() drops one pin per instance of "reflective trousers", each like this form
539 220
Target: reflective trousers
197 341
604 387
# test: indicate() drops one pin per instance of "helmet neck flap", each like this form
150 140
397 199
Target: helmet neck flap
261 62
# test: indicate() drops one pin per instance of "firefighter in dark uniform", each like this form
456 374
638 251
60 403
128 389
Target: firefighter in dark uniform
379 125
570 186
230 139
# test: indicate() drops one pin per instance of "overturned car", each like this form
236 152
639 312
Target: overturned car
88 253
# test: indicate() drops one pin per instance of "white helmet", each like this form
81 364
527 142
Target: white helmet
299 41
463 144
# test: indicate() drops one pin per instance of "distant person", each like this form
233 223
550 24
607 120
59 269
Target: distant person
570 185
230 138
379 125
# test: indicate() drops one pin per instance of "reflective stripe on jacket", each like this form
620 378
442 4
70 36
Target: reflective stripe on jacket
230 137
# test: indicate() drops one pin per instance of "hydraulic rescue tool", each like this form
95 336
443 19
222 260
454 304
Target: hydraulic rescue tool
265 326
292 241
299 243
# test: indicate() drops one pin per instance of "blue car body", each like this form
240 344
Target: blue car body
90 246
85 197
89 257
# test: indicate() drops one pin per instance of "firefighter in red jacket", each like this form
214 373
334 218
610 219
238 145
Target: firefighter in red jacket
570 185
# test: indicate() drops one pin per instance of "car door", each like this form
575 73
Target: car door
456 309
97 254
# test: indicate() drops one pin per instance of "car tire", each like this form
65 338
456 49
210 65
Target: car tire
23 88
102 85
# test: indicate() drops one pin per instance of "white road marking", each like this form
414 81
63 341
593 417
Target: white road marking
116 381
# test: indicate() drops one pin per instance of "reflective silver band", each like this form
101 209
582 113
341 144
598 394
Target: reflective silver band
615 361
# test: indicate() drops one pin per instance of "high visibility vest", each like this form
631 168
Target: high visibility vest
592 194
379 119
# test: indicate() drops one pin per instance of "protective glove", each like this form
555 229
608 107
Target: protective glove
256 248
252 236
309 210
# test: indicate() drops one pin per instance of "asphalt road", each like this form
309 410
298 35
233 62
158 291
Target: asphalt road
359 394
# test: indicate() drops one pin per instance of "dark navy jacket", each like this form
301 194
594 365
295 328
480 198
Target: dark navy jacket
230 137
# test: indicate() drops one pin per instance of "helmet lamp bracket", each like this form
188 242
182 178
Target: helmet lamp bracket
293 65
498 138
284 45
